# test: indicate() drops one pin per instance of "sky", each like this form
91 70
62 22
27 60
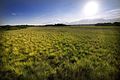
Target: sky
54 11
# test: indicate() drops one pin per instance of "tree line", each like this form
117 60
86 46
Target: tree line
15 27
108 24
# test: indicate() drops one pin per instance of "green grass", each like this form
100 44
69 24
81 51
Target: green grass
64 53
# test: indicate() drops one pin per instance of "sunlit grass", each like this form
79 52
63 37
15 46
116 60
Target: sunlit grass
64 53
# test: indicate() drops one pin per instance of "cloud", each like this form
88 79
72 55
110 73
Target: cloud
111 14
13 14
107 16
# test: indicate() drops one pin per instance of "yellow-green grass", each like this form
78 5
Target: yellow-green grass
60 53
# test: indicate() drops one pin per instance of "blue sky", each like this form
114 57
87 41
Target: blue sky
52 11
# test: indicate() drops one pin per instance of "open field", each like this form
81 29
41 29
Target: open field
60 53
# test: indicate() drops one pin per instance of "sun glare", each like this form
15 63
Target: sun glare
91 8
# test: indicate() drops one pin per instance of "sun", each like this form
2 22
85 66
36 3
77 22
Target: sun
91 8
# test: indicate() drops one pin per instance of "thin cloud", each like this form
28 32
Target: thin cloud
13 14
111 14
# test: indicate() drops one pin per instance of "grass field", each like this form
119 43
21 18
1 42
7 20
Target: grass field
60 53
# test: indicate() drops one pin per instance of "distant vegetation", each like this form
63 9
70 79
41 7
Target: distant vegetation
108 24
56 25
9 27
15 27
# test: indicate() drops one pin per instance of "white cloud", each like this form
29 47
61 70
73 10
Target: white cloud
111 14
65 18
13 14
